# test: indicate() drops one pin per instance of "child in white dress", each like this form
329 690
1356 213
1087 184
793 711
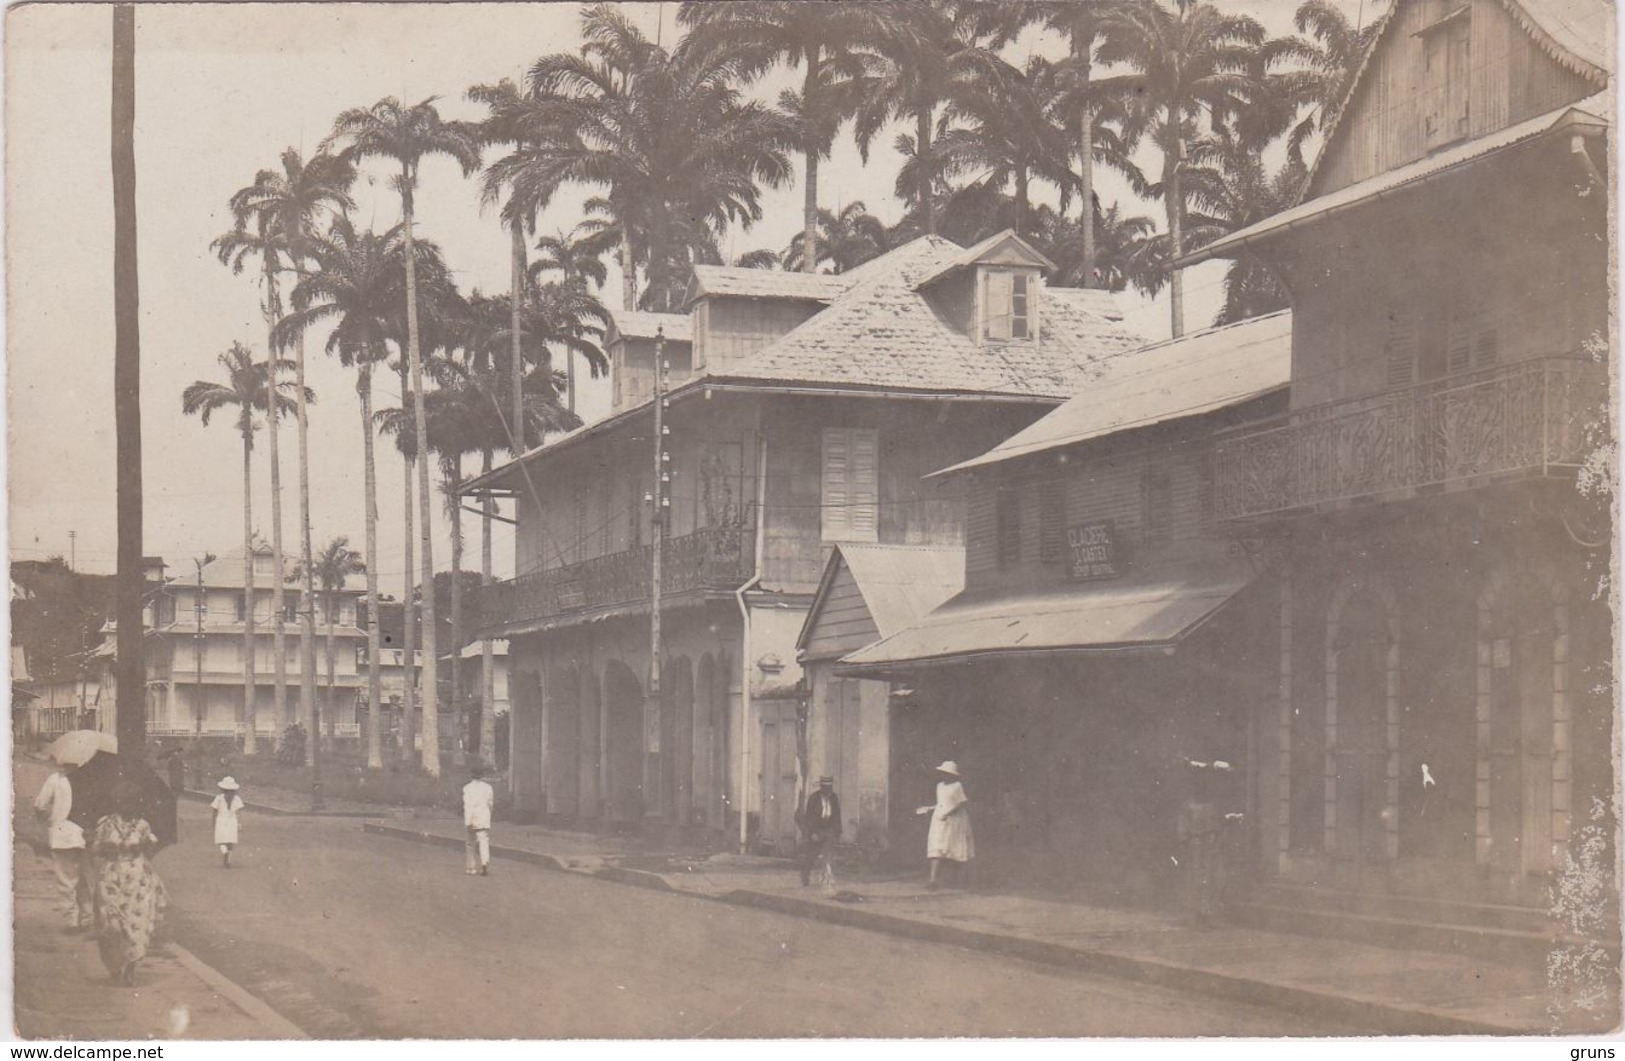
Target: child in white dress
227 805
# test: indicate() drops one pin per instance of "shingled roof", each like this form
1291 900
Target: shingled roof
766 283
637 324
880 332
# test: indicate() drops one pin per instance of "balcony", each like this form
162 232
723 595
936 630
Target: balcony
1531 418
710 560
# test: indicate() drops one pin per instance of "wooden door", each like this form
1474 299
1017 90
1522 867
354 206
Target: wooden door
1520 753
1360 748
778 778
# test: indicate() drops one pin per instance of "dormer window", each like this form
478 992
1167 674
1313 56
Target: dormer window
1008 304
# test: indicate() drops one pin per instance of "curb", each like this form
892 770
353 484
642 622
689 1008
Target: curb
1391 1019
279 1026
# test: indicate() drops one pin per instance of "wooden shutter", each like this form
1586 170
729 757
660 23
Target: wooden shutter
1459 333
851 485
1158 506
1008 518
1052 521
1400 348
996 306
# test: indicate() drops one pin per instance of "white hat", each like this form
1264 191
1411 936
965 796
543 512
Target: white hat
949 767
228 783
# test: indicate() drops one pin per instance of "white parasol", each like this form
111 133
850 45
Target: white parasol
76 747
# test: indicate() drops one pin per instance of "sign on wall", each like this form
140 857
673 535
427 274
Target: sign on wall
1092 552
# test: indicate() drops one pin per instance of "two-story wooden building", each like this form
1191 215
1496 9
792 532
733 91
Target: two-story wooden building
803 411
1105 636
1442 721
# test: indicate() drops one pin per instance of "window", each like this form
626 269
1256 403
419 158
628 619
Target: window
1399 348
1472 338
851 472
1007 305
262 564
1007 521
1157 515
1447 55
242 607
1052 522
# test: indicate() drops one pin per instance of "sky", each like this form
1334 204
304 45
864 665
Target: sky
220 91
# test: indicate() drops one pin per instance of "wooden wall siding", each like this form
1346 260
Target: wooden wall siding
914 441
1543 299
1511 79
955 299
632 369
736 328
1108 488
844 623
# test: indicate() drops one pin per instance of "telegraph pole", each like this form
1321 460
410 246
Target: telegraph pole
661 500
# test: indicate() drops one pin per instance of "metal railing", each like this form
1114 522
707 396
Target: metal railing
1532 417
710 559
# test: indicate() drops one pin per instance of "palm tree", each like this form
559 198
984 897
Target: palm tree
846 240
358 283
1184 61
1330 58
275 219
675 151
828 41
1230 187
333 567
247 387
574 255
1121 254
405 135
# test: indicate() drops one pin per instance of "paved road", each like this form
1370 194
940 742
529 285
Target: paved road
354 935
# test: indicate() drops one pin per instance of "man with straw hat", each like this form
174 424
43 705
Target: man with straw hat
821 826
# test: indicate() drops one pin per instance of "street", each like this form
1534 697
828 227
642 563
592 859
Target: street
356 936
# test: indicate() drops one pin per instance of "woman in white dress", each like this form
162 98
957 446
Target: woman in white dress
950 835
227 805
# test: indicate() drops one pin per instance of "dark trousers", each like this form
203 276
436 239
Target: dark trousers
818 852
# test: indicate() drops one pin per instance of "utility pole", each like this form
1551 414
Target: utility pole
200 608
661 500
73 550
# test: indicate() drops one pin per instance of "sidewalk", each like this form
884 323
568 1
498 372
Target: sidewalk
289 802
1387 991
62 989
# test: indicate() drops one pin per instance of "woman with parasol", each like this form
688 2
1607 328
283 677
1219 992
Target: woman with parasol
129 897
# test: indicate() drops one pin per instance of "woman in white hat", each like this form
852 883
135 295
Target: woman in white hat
227 805
950 835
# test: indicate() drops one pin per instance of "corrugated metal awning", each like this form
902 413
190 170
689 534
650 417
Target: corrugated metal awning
1154 607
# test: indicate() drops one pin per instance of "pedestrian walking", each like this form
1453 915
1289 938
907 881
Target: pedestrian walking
177 770
227 806
66 841
949 839
129 895
820 822
478 799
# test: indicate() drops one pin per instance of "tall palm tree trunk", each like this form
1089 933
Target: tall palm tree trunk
375 685
279 695
809 206
409 636
307 614
629 274
1176 237
922 157
130 711
488 676
431 694
248 576
458 707
516 370
1082 50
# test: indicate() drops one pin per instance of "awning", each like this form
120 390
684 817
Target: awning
1160 602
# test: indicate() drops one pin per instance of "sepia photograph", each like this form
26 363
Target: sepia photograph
804 520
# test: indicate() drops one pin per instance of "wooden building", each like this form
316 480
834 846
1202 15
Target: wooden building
1441 732
815 406
1104 635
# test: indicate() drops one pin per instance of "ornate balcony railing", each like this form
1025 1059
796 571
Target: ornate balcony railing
710 559
1528 418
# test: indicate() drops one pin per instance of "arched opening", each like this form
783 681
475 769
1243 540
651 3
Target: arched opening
623 701
563 735
589 749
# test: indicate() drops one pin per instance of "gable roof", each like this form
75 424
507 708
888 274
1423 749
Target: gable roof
1196 374
1594 111
900 584
637 324
1578 34
740 282
999 246
882 331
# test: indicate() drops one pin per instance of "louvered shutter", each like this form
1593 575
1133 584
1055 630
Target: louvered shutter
996 306
1460 333
863 492
1400 349
1052 521
1008 518
836 472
